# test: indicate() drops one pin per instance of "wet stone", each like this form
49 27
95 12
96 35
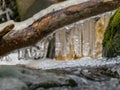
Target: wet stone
22 78
12 84
36 78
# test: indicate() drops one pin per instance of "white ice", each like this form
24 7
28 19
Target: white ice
53 64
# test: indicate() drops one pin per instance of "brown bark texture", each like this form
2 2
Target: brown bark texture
15 39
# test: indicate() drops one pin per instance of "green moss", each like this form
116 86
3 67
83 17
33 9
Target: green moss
111 39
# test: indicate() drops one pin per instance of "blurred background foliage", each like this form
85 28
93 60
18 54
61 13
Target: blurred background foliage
19 10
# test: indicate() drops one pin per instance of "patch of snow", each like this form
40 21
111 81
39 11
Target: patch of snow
3 25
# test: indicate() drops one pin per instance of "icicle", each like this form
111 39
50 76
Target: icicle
70 41
58 44
92 37
44 48
34 52
5 58
86 38
74 40
80 39
21 54
63 49
99 35
41 50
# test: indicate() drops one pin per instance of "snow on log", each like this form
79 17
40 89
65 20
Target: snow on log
16 35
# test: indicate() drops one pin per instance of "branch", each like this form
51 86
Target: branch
29 32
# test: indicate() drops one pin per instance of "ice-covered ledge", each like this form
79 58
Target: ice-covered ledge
44 64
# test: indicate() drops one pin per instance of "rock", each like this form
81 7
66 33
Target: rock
12 84
111 41
94 78
9 71
40 89
33 79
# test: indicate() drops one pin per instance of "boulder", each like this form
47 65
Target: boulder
20 78
77 78
12 84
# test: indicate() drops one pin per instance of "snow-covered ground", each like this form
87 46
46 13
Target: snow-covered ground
52 63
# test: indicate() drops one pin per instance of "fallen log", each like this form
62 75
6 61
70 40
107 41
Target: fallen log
29 32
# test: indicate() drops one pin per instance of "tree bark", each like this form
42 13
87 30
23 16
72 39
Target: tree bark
16 39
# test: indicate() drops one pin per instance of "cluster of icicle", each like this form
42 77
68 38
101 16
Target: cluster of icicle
80 39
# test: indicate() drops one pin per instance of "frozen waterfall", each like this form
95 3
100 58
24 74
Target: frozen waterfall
80 43
75 41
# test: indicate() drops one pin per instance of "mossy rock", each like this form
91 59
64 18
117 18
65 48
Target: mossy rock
111 41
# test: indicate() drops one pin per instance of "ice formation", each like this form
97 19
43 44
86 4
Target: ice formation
81 40
74 41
